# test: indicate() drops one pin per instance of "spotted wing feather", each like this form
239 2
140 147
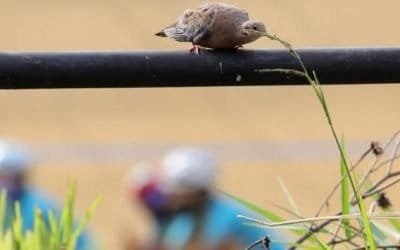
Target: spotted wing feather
192 26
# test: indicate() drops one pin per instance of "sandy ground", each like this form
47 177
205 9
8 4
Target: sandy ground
197 115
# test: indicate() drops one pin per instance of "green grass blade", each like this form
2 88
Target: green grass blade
289 196
380 237
29 241
67 218
389 231
48 233
54 239
17 226
8 242
253 207
3 210
37 233
370 241
275 218
314 82
345 197
395 223
78 231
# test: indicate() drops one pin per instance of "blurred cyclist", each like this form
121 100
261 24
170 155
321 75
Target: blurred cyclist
188 213
14 164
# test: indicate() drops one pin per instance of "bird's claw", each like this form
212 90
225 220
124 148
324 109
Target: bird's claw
195 49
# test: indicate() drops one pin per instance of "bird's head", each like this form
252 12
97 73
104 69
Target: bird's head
254 29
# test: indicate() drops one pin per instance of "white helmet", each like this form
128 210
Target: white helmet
187 170
13 158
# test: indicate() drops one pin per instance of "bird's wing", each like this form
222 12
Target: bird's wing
177 33
183 29
204 28
200 23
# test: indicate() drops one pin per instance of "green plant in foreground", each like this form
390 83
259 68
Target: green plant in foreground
57 233
314 82
369 232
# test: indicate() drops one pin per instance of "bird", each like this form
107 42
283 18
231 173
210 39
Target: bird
215 26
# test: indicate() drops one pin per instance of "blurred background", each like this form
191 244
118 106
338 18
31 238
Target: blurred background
259 133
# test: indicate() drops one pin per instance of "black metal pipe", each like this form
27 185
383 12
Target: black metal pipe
180 68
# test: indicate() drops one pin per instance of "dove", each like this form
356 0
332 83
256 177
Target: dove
216 26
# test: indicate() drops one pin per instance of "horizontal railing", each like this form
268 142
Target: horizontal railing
31 70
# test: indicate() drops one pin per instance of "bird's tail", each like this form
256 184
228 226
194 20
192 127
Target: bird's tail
161 33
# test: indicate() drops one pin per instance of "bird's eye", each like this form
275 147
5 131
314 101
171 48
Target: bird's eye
254 27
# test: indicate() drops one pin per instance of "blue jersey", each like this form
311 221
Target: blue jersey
220 223
31 199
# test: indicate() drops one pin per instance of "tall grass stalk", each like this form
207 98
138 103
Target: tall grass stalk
314 82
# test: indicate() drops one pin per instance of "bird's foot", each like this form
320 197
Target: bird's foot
196 49
238 47
232 49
